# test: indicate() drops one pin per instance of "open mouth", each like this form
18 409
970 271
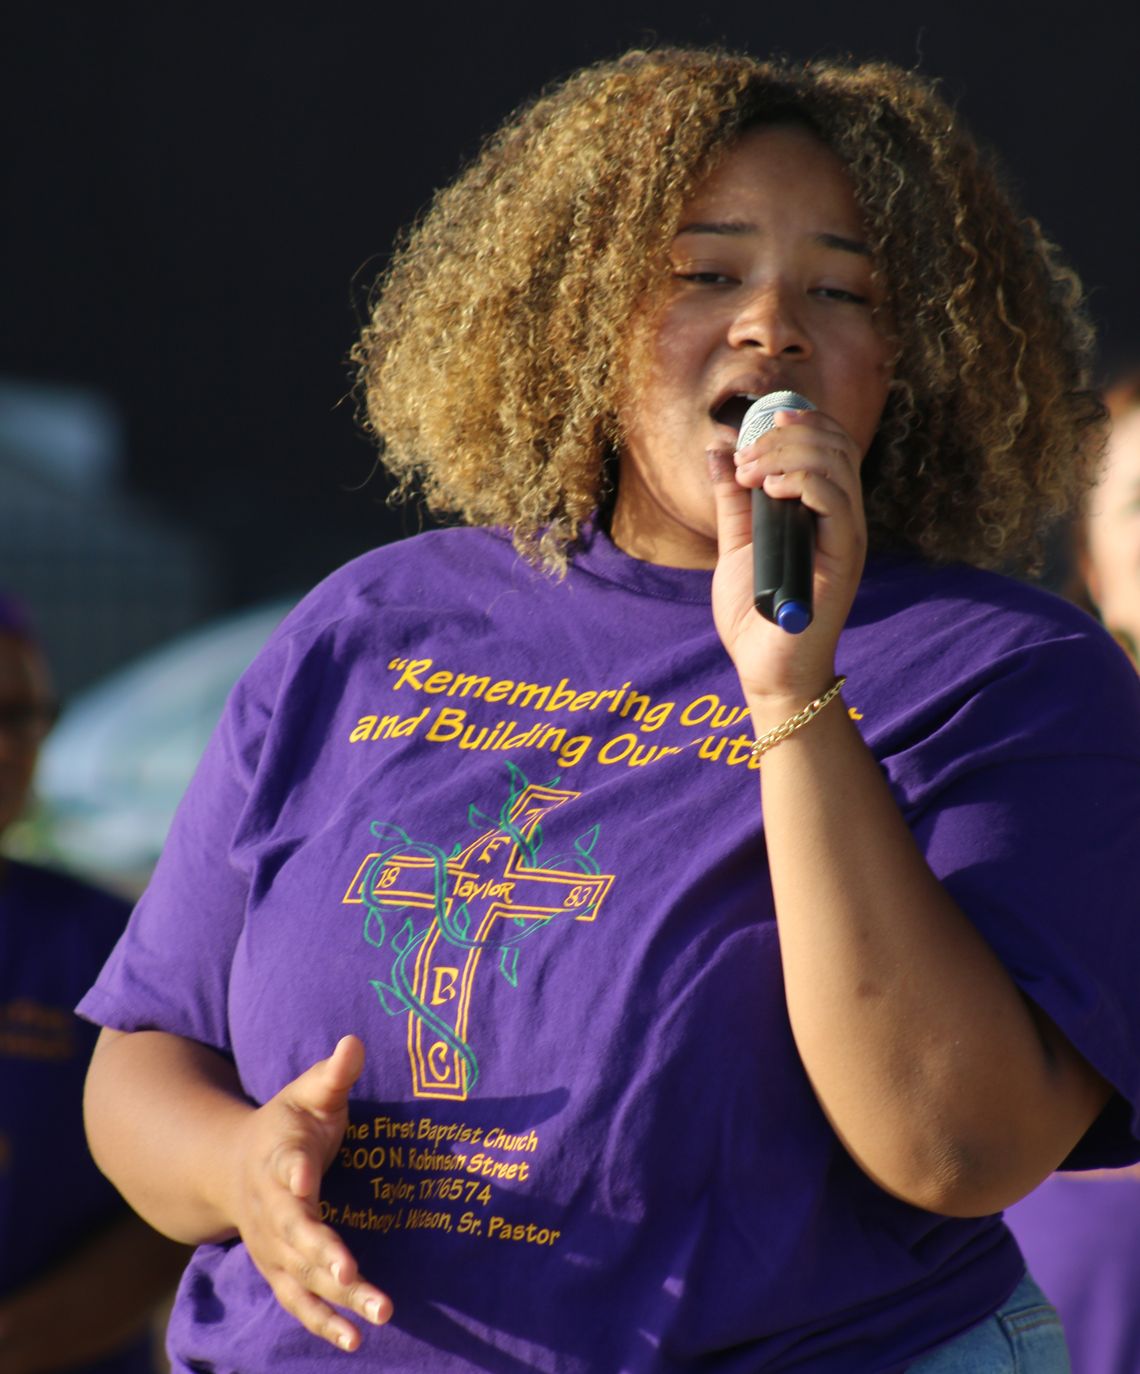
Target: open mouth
732 411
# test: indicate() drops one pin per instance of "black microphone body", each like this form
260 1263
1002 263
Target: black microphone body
783 532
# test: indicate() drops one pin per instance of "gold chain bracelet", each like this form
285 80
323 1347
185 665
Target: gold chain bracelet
771 738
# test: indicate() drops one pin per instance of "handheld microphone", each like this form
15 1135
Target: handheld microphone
783 532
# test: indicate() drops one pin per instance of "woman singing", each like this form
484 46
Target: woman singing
551 967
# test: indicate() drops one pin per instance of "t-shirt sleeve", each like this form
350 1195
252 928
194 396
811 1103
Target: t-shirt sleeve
1035 831
170 969
1043 882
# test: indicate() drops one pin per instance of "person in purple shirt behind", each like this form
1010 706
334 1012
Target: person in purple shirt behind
80 1274
1080 1232
548 968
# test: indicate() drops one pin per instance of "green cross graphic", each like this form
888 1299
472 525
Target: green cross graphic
488 882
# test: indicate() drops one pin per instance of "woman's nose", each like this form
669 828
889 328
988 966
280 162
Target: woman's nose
767 320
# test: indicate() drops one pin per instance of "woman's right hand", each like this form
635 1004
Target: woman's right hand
283 1150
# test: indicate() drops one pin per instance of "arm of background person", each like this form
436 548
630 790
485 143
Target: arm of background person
92 1302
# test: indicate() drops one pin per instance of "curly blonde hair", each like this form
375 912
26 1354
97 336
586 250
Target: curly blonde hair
501 338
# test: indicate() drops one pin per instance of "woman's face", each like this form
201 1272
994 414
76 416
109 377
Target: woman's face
771 290
1112 571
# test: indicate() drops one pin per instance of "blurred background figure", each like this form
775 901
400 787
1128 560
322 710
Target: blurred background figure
1080 1235
80 1274
112 770
1080 1232
1108 540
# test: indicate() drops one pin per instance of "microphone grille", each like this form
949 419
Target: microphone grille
761 415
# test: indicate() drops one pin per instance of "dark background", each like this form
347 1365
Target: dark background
195 199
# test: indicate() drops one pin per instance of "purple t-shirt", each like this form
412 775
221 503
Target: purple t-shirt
55 934
1080 1235
506 829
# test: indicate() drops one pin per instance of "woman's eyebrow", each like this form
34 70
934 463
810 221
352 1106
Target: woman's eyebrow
736 227
845 245
722 226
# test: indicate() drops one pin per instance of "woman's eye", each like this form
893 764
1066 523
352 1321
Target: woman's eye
703 278
837 293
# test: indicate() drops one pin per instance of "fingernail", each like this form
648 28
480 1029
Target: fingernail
344 1340
372 1310
337 1271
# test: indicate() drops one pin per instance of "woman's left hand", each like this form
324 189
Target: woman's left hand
807 455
